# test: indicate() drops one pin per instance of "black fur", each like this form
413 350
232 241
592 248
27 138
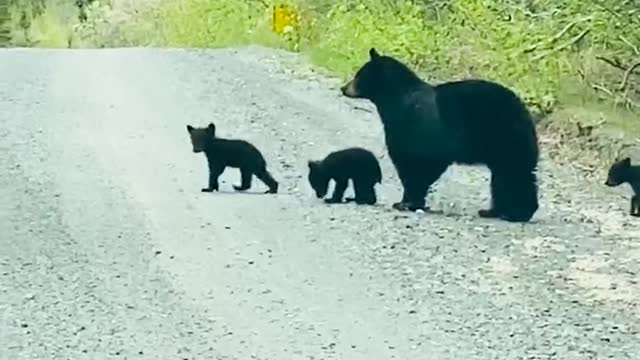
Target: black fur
355 164
428 128
233 153
623 172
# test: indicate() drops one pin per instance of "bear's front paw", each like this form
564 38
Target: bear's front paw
362 200
635 214
487 213
401 206
407 206
370 201
206 190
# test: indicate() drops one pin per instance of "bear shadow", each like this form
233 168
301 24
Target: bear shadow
232 192
472 216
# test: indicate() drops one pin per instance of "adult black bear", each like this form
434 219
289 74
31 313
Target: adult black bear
472 122
234 153
356 164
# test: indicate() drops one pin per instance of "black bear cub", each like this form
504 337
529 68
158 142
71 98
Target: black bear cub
623 172
233 153
473 122
355 164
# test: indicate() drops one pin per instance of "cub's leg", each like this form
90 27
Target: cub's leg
338 191
246 176
264 176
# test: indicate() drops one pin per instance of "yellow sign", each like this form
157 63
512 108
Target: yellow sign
285 19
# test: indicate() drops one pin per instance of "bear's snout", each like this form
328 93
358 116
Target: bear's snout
348 90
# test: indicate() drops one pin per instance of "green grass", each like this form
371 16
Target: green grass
55 24
548 51
205 23
43 23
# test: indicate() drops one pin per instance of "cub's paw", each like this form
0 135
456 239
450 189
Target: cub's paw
635 214
207 190
240 188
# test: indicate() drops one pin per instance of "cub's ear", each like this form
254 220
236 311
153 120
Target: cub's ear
189 128
312 164
626 161
212 128
373 54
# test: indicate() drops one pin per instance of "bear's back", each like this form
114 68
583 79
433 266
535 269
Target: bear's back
236 153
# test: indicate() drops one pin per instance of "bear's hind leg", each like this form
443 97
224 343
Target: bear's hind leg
246 176
365 193
264 176
517 195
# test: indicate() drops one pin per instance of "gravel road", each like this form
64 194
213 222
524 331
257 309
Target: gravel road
108 249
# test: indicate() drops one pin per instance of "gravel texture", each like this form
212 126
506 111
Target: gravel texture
108 249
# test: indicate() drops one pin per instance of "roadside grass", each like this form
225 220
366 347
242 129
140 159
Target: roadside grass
566 59
42 23
549 53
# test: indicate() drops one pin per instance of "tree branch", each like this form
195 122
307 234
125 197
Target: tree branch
555 37
563 46
635 48
615 63
625 78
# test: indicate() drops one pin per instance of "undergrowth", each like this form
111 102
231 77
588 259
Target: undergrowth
571 54
57 24
575 54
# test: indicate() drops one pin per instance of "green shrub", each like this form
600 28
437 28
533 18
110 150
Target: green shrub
45 23
492 39
569 54
546 50
206 23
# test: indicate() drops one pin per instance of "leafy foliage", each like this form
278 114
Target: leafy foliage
539 47
575 53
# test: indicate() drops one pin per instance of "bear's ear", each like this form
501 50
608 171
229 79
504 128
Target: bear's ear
373 54
189 128
312 164
211 128
626 161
